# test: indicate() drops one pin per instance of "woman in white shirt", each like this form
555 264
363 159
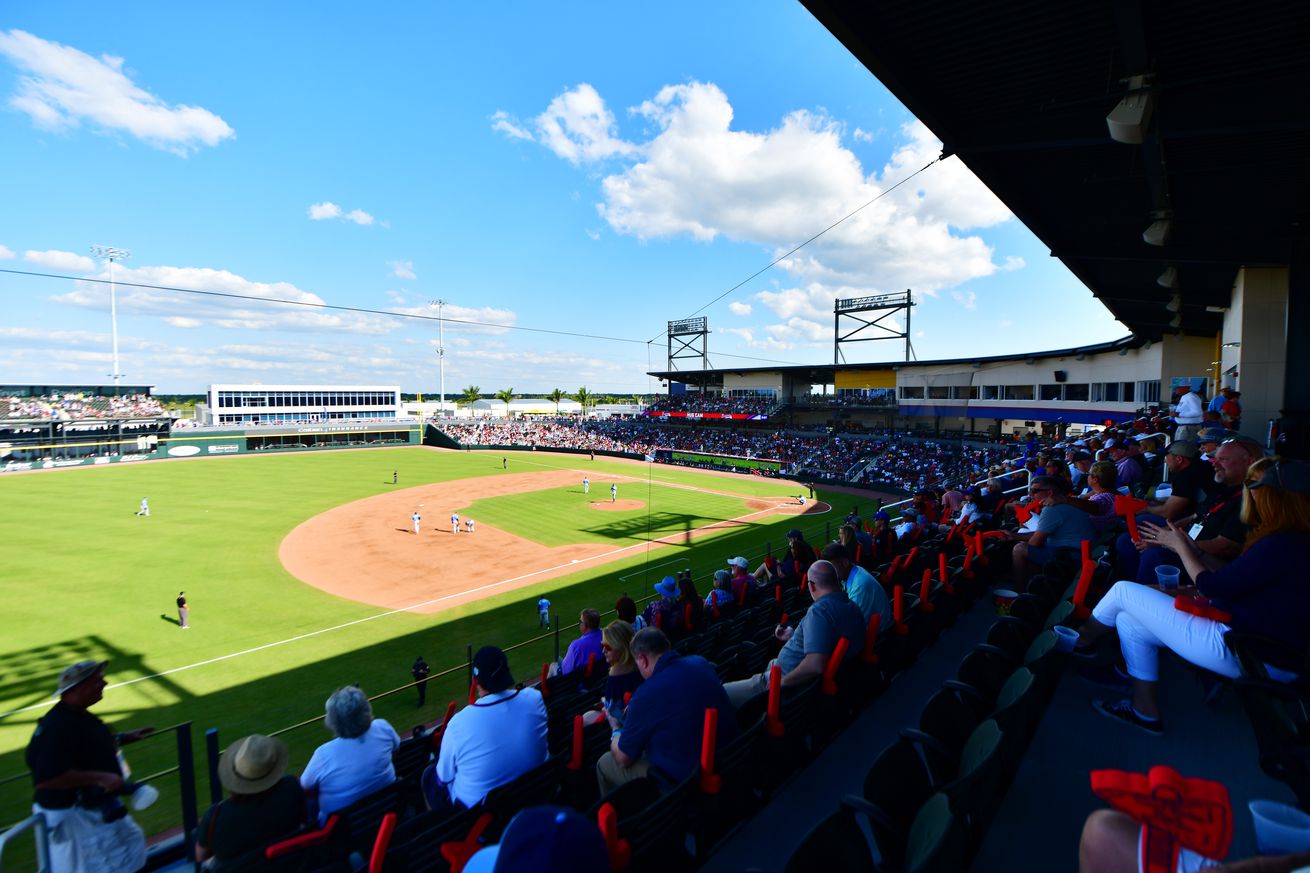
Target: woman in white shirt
355 764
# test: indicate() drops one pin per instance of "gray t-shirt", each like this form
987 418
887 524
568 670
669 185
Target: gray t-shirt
1065 526
829 619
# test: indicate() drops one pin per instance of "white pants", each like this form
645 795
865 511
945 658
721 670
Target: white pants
1146 621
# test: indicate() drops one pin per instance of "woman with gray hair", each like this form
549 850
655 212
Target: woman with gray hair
356 763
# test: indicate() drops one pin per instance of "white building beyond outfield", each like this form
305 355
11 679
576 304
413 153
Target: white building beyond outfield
289 404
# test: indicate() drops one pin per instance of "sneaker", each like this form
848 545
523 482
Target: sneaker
1107 676
1123 710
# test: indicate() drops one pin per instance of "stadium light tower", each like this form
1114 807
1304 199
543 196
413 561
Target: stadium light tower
441 350
113 254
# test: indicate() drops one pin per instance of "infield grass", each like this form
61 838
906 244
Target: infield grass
84 577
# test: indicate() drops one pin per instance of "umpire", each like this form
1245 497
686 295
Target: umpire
420 672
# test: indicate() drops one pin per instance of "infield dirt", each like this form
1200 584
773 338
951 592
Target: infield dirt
366 550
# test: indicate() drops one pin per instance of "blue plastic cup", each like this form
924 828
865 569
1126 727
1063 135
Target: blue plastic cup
1279 829
1167 577
1065 638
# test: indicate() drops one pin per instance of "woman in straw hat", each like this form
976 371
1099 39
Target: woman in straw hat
263 804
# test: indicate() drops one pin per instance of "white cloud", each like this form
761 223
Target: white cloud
736 307
1012 263
402 269
862 135
967 299
65 262
220 312
698 177
576 125
592 234
6 253
182 321
61 87
492 320
326 209
502 122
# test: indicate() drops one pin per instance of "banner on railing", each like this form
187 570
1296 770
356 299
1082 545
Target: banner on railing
710 416
718 462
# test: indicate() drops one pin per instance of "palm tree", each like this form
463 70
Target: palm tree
584 398
472 394
506 394
555 397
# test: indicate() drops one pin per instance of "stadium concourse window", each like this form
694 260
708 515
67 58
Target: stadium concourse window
991 392
1077 392
911 392
939 392
1051 392
965 392
1018 392
1113 392
1148 392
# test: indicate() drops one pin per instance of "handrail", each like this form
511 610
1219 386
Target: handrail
36 823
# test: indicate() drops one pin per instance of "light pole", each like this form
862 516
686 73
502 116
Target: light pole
112 254
441 351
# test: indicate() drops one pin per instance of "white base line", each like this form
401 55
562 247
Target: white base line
392 612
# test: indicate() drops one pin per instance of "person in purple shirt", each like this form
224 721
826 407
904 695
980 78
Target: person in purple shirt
1263 592
581 649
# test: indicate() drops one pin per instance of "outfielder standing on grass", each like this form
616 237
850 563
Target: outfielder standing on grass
586 485
543 613
614 492
145 507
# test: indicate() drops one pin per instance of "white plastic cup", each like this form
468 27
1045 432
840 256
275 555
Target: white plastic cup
1065 637
1279 829
1167 577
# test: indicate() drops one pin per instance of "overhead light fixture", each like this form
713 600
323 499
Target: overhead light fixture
1132 115
1157 232
1124 350
1176 321
1175 303
1216 309
1147 346
1232 345
1169 278
1081 356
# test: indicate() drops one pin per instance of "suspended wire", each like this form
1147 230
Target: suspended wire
362 310
797 248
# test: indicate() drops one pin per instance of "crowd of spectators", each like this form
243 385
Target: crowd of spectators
713 403
66 407
915 465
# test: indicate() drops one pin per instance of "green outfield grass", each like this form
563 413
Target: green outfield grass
84 577
561 516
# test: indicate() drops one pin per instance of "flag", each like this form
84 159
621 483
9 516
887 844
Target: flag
650 459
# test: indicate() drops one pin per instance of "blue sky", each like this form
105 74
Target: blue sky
591 168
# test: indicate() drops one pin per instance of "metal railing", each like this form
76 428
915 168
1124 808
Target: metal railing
36 824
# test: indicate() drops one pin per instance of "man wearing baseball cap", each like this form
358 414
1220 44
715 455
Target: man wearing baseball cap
494 740
73 757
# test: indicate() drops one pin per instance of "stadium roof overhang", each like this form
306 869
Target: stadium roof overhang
826 374
1021 90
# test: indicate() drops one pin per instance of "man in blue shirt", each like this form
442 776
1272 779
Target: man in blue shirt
665 719
863 590
1060 526
807 647
581 649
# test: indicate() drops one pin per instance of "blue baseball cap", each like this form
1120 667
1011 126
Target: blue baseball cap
545 839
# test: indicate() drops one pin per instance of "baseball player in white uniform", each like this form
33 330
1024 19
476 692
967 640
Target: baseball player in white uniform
614 492
416 518
145 507
468 525
454 522
586 485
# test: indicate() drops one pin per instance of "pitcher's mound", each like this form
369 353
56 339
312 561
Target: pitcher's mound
617 506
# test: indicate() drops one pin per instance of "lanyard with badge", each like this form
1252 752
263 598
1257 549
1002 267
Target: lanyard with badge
1195 530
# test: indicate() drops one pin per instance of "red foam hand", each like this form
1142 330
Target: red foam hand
1202 608
575 758
925 587
620 852
944 573
870 654
774 725
1174 811
829 685
1128 507
898 610
710 782
1025 511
